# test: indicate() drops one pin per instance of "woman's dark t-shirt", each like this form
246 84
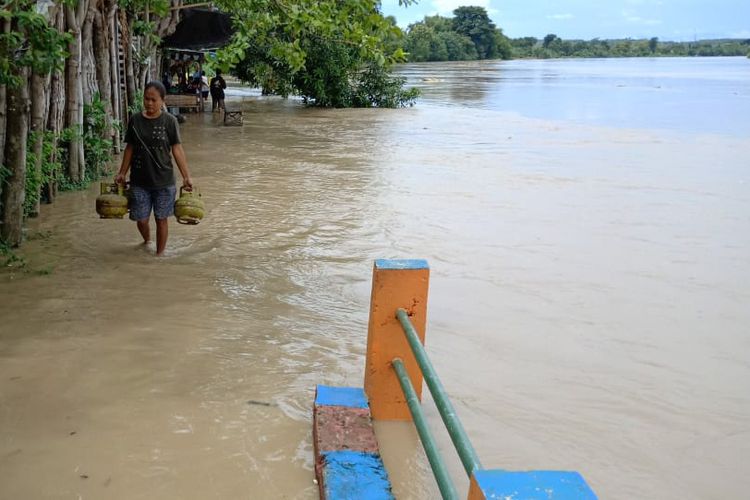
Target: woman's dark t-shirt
152 167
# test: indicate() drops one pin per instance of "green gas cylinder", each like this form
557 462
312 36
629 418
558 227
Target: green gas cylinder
189 207
112 202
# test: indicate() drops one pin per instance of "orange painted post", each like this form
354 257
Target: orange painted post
395 284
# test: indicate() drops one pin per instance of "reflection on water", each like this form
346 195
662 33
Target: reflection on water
587 305
686 94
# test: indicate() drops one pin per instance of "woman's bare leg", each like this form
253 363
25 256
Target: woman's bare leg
144 229
162 232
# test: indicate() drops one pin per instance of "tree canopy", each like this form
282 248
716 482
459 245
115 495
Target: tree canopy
332 53
29 43
467 36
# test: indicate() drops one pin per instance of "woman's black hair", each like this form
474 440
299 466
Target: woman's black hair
158 86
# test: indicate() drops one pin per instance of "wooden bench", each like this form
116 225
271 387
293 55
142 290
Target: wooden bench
190 101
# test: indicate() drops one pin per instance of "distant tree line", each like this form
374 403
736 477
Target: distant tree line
470 35
553 46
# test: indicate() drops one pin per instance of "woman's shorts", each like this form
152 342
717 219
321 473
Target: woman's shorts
142 200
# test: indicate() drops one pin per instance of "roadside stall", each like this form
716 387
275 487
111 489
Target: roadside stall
200 32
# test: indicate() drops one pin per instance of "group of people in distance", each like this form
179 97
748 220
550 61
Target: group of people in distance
199 84
216 87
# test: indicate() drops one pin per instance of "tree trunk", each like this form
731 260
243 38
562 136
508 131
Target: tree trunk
74 92
127 50
56 113
2 142
38 104
165 26
112 82
101 54
15 185
115 104
88 63
5 26
156 66
140 69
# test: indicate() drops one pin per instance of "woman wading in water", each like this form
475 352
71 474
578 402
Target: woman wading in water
152 135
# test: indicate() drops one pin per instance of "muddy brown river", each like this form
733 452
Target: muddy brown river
588 304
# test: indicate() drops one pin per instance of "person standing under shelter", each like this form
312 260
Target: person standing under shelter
217 91
151 136
204 85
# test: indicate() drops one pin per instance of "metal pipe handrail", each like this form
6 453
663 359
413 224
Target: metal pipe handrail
465 450
446 486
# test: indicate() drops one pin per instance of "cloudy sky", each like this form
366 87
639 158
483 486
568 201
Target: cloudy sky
680 20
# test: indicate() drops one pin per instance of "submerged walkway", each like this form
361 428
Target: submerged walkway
608 260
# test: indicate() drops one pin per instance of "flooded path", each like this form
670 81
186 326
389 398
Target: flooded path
588 308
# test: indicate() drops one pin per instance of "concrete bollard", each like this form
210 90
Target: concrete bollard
395 283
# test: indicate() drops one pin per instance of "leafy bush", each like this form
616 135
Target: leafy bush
376 87
51 167
97 150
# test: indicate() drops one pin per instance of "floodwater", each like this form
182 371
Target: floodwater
588 305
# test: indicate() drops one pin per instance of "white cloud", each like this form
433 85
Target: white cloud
446 7
630 17
560 16
741 34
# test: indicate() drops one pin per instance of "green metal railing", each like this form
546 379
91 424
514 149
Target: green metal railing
456 431
446 486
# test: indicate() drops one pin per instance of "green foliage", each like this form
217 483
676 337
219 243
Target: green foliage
468 36
143 24
419 42
335 76
31 42
474 23
425 43
327 82
146 30
393 39
280 27
136 106
376 87
439 24
97 150
52 167
8 258
158 7
33 178
323 50
4 173
652 44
